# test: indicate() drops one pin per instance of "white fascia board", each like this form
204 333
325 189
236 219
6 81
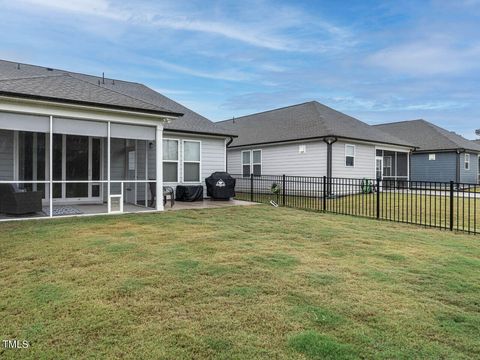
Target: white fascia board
37 107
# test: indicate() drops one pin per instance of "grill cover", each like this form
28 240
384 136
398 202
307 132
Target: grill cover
220 185
189 193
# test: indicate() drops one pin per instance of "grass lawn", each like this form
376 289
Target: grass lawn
422 209
240 282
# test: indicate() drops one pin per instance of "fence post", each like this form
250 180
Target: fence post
283 189
451 205
378 197
251 187
324 193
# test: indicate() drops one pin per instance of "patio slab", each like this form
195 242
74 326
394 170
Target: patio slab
98 209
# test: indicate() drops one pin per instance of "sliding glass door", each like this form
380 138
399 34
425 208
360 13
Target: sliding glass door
31 160
77 158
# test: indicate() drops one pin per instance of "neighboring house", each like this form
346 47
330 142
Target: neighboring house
58 127
440 155
311 139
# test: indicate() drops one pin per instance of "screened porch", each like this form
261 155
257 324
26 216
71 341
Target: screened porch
52 166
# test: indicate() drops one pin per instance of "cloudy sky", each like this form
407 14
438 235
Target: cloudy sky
379 61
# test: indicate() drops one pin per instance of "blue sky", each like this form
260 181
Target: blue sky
379 61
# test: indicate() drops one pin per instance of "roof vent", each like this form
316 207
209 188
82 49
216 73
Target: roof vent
49 69
18 66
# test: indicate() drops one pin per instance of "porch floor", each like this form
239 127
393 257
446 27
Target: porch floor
92 209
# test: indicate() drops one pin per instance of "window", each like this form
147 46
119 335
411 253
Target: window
302 149
251 162
467 161
387 166
246 163
257 162
191 161
431 157
349 155
170 160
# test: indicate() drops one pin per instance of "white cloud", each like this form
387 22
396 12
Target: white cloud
427 58
268 32
228 75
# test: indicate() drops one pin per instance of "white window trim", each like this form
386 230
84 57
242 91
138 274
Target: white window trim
251 161
190 161
432 157
354 156
389 167
242 164
465 162
254 163
177 161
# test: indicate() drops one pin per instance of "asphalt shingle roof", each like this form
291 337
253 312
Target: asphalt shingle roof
61 85
303 121
427 136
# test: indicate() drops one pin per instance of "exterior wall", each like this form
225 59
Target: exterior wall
364 161
469 176
212 158
285 159
442 169
6 155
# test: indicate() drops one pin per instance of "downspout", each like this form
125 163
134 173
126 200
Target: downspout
226 152
457 173
330 140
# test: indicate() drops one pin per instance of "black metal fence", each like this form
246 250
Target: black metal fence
445 205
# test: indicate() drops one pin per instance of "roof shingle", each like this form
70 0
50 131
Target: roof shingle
31 80
303 121
427 136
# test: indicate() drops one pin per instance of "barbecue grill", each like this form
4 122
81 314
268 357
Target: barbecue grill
220 186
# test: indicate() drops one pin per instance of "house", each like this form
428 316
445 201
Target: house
311 139
83 139
440 155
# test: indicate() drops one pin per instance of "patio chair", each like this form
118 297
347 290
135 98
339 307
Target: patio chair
18 202
167 191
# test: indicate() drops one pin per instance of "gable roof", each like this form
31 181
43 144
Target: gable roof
31 81
427 136
304 121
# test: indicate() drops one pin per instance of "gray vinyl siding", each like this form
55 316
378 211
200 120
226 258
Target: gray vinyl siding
285 159
364 166
469 176
442 169
6 155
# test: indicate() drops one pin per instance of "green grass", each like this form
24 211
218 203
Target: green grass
421 209
238 283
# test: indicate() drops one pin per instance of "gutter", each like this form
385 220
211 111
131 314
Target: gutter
90 103
320 138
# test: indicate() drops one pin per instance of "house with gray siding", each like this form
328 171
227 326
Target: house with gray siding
89 140
311 139
440 155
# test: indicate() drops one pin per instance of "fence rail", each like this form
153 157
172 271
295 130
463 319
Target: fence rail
445 205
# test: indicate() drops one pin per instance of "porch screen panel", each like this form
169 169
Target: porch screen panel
79 127
124 131
33 123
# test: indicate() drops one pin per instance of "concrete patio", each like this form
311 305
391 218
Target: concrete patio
97 209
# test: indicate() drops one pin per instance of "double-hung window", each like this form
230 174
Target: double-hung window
467 161
387 166
251 163
349 155
170 160
191 160
246 161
